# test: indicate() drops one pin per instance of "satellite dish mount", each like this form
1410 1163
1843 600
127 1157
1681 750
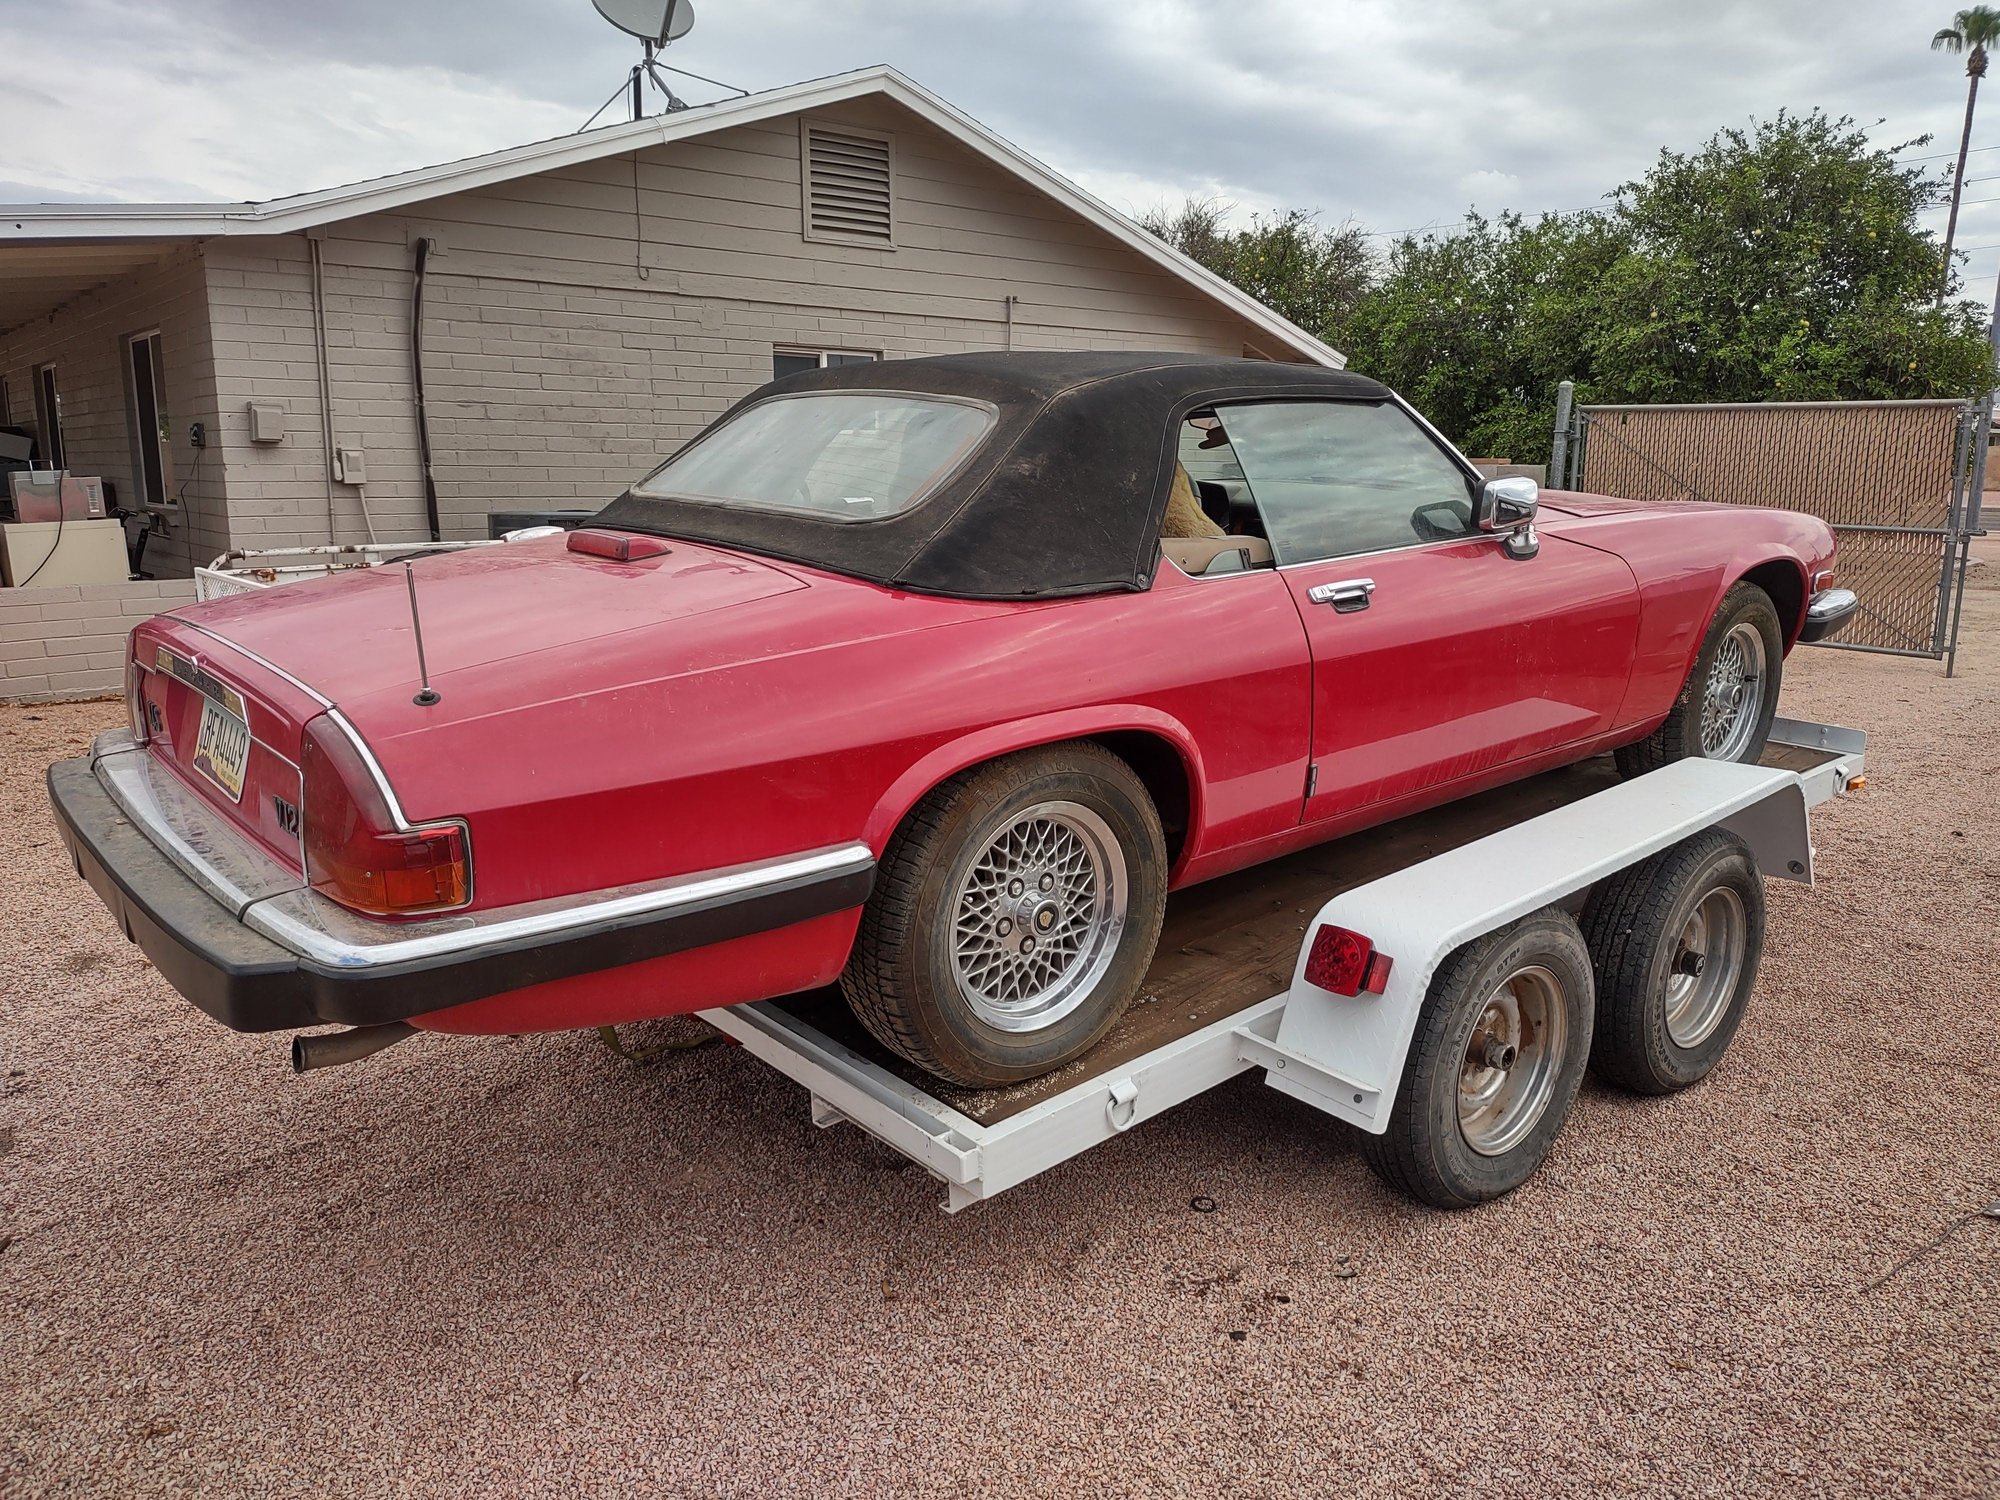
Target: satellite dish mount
657 24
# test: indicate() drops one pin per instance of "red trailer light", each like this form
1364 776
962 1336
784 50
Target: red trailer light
619 546
1346 963
355 853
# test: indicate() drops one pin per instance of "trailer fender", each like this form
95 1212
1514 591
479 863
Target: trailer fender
1345 1054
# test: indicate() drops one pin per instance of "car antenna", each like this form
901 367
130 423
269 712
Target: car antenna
429 694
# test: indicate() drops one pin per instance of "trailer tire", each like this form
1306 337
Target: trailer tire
1522 994
1675 942
1745 625
940 974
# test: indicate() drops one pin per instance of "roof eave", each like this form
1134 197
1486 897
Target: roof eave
311 210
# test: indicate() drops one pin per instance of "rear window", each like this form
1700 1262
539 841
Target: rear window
841 456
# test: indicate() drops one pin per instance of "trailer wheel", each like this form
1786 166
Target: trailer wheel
1493 1069
1675 942
1015 913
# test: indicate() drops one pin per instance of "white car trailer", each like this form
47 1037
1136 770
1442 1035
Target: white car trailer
1230 992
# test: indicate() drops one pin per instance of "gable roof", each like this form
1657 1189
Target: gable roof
154 221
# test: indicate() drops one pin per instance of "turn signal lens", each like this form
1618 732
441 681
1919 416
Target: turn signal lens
1346 963
355 853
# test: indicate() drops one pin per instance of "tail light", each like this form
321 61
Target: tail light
357 854
1346 963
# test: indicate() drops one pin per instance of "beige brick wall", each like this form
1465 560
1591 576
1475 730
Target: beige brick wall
86 339
582 323
69 641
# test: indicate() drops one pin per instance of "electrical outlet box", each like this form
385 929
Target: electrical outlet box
350 465
197 434
267 422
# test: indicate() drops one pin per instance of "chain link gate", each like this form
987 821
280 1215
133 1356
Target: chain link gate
1898 481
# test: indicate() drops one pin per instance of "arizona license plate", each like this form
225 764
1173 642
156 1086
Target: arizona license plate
222 749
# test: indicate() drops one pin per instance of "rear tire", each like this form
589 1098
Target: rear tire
1494 1066
1015 913
1675 942
1725 708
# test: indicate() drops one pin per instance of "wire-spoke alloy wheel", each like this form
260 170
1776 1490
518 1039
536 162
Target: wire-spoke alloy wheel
1038 916
1707 966
1730 695
1733 697
1015 912
1511 1061
1493 1067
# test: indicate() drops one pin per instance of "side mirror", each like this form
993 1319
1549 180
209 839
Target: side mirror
1506 503
1506 508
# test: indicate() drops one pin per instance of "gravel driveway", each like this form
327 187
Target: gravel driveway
524 1267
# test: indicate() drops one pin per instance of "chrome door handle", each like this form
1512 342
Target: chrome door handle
1346 596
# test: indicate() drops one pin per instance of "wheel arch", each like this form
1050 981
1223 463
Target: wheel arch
1155 745
1784 579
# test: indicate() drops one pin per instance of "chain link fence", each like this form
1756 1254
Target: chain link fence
1899 482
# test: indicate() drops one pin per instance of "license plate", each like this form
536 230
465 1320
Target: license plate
222 749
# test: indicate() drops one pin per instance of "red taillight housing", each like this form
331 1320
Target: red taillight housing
1346 963
355 852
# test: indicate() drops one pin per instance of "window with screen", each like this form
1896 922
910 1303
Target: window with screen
1337 478
795 361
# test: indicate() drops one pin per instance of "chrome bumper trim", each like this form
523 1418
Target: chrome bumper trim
329 934
203 843
273 900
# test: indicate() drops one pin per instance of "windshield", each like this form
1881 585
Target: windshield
842 456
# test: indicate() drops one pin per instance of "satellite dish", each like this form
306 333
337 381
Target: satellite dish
655 21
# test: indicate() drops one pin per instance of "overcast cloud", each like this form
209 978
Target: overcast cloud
1395 114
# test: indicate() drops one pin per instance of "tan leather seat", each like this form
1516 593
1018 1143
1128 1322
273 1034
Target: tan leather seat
1211 556
1185 517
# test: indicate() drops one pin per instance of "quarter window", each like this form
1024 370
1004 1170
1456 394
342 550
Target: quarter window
1336 478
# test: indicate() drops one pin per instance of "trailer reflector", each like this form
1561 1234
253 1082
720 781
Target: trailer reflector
1346 963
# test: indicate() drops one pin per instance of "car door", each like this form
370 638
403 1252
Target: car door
1436 654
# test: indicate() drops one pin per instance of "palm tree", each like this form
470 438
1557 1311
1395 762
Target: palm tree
1971 32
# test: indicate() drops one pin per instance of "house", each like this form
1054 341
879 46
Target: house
545 323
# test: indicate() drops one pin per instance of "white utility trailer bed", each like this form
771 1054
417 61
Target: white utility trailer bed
1226 994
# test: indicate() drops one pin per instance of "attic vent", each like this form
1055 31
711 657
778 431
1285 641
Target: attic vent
850 180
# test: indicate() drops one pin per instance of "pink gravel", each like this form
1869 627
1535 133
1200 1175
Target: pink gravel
523 1267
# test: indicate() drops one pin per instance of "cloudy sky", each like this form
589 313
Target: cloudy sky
1396 114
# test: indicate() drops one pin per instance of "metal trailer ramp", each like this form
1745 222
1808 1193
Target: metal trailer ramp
1219 1005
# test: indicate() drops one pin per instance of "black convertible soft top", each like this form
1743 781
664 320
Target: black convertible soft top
1064 496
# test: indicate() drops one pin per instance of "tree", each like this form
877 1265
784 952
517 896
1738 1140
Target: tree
1782 263
1291 263
1971 32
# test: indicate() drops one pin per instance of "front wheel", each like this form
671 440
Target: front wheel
1014 916
1725 709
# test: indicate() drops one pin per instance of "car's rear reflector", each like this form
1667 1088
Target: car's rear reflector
619 546
354 851
1346 963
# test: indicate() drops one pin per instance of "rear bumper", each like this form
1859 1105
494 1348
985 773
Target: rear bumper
1827 613
215 954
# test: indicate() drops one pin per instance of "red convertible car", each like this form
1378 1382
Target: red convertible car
929 678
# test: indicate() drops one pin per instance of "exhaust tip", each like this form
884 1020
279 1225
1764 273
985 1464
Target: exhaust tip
333 1049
